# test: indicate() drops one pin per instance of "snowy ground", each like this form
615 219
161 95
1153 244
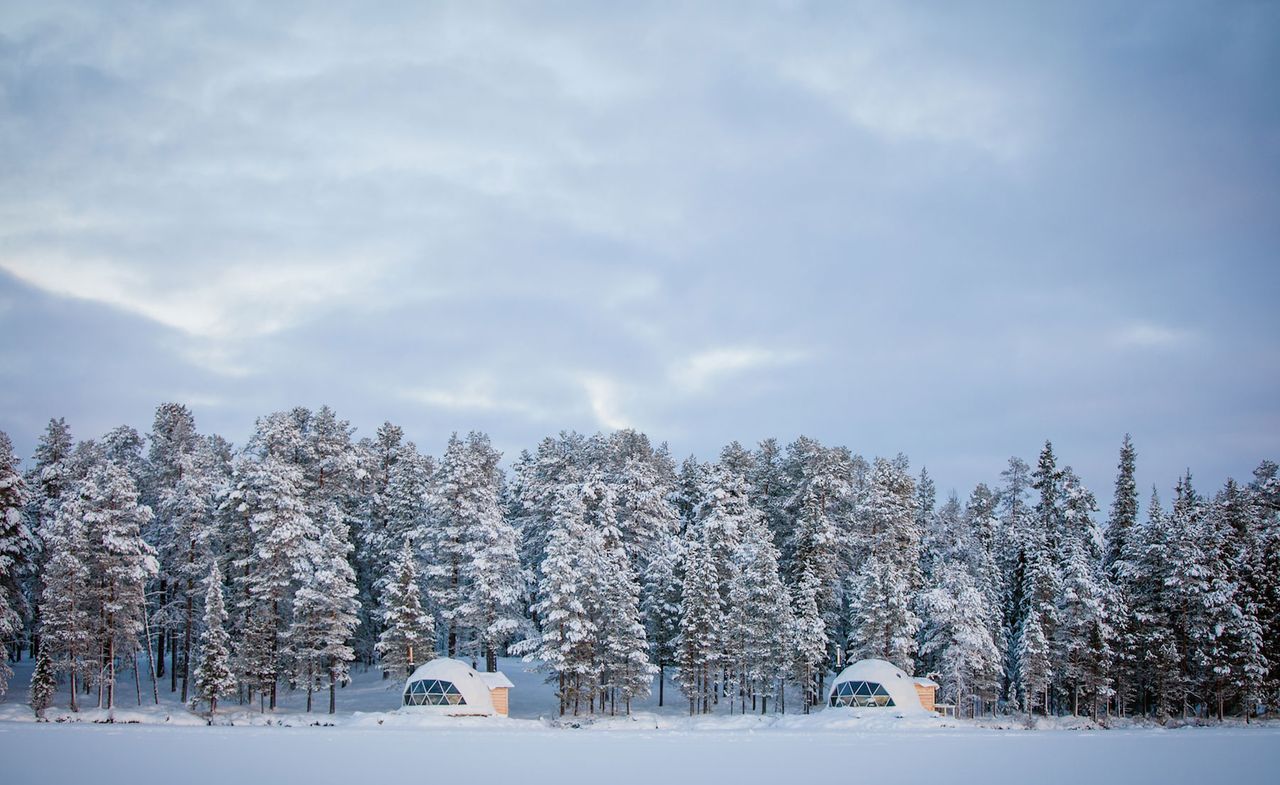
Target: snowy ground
656 746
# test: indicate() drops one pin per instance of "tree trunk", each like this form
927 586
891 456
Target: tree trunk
151 663
662 682
333 693
173 662
158 665
186 635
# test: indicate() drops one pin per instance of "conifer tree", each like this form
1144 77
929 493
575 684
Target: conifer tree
759 617
408 635
701 623
661 605
213 676
325 612
122 563
627 671
66 610
16 548
44 684
809 638
568 595
491 581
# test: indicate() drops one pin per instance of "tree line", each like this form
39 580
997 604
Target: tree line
231 573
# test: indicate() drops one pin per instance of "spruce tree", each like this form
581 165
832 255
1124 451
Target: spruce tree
44 684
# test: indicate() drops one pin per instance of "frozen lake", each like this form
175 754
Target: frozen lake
108 754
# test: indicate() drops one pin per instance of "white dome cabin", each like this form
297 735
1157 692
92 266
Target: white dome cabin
877 684
453 688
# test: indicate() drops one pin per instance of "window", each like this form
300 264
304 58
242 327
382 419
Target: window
860 694
433 692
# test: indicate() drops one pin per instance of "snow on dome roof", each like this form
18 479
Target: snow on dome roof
894 680
437 676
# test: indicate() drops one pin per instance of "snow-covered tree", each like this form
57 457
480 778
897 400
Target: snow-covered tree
121 564
44 684
325 616
16 549
491 581
568 594
808 638
625 667
957 636
66 611
883 623
1082 641
759 619
660 604
409 633
1037 614
269 493
701 625
213 676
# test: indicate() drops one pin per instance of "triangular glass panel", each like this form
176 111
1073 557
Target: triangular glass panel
862 688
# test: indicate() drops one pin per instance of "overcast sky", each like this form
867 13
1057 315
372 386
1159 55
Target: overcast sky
951 232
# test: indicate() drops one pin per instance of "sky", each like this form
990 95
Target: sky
951 230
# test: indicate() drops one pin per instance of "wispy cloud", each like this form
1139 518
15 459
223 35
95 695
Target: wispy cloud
475 395
602 396
704 370
1148 335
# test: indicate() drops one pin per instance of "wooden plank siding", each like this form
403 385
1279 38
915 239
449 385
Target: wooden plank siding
499 696
926 696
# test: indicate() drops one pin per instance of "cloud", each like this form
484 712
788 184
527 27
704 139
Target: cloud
1148 335
602 396
242 300
704 370
907 102
476 395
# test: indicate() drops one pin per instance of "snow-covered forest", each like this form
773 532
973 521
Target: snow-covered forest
285 563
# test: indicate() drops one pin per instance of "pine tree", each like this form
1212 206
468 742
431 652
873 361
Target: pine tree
121 564
759 617
66 611
957 636
269 493
568 595
627 672
408 635
466 501
325 615
809 637
882 621
16 548
492 583
213 676
661 605
701 623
